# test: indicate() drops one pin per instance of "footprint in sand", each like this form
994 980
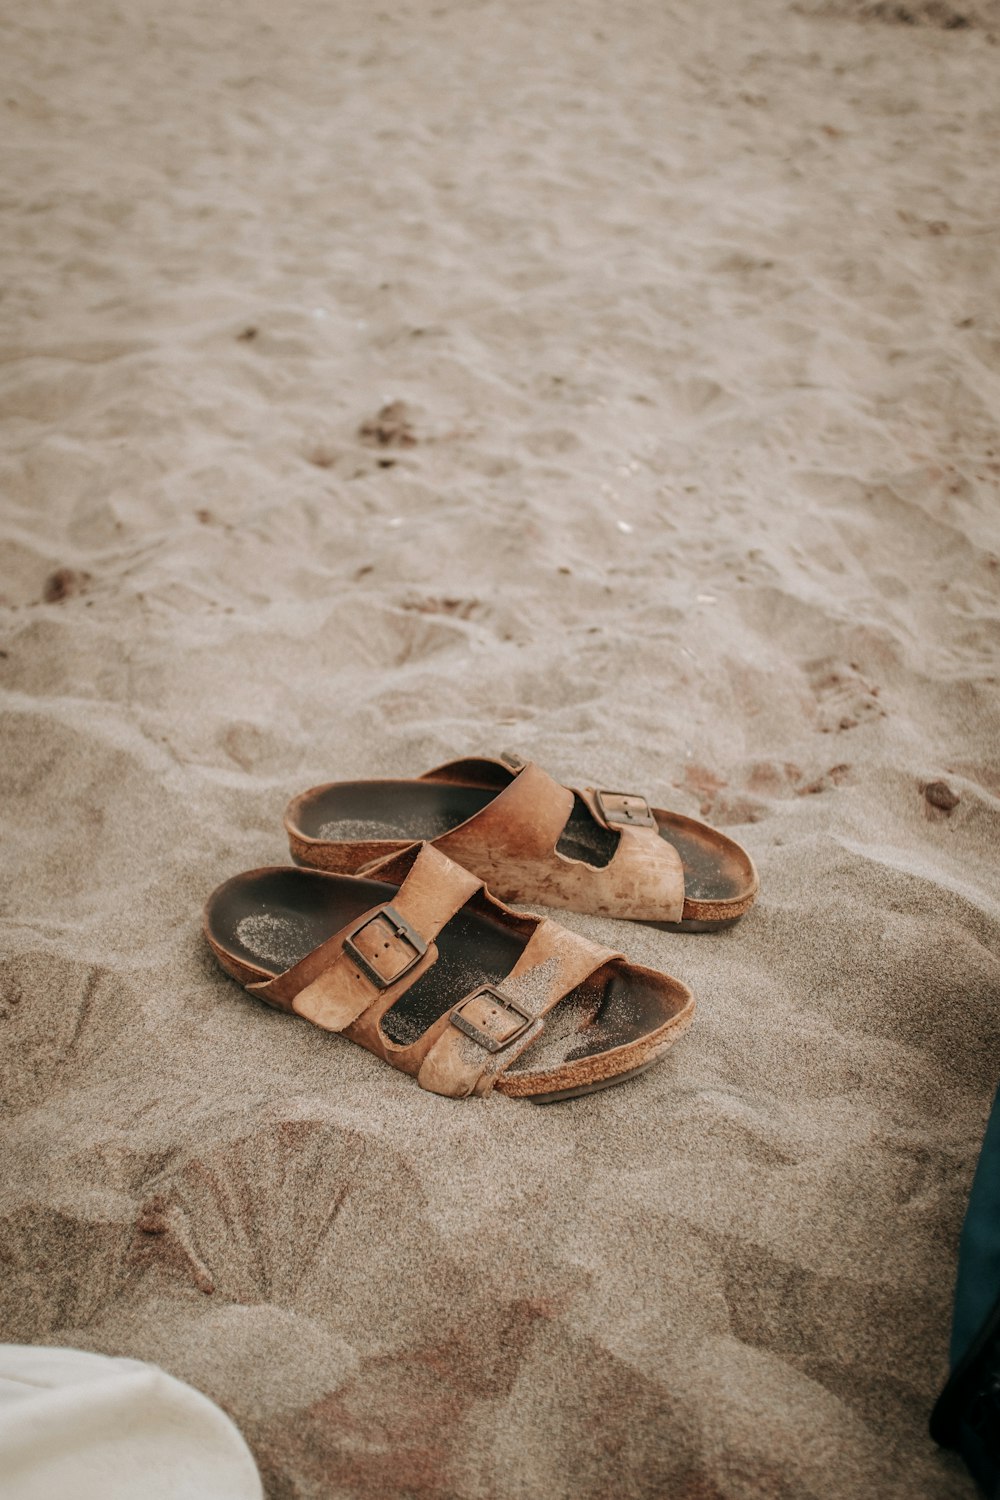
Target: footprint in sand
756 787
844 699
254 748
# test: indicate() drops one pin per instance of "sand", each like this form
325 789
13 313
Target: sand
613 384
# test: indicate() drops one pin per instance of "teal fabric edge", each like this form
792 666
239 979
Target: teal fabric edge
978 1286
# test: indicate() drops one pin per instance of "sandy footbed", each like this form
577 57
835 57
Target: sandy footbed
690 313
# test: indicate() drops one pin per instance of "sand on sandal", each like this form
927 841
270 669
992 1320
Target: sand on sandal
614 384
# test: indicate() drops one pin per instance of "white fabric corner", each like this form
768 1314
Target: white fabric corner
96 1428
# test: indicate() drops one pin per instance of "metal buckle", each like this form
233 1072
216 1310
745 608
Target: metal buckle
497 999
400 933
625 810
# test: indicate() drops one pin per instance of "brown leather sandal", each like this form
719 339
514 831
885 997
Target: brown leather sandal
532 840
419 964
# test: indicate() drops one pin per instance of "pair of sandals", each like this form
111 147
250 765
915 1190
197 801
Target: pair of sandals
385 931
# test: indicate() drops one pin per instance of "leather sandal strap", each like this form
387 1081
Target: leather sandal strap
643 860
477 770
490 1028
375 959
512 843
521 825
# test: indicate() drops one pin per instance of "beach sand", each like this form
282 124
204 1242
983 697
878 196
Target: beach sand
614 384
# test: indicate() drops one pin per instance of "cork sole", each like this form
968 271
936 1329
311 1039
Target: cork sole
345 826
621 1020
